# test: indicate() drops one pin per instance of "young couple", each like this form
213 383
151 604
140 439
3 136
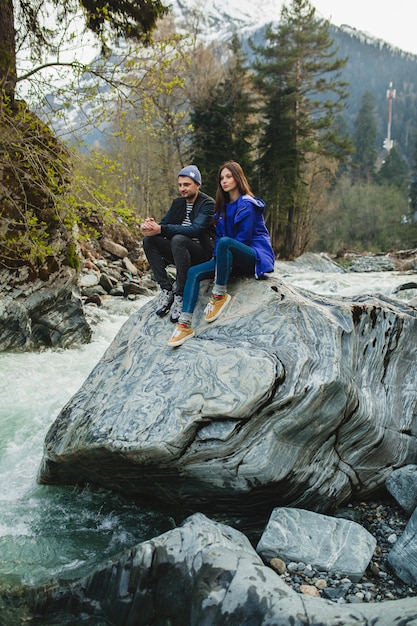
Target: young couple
242 246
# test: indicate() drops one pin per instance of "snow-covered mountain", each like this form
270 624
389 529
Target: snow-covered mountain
372 65
219 19
214 19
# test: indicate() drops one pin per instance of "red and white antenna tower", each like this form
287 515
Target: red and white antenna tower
388 143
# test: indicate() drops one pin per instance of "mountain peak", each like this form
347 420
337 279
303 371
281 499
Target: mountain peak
220 17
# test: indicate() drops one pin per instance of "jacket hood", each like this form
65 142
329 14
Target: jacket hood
258 203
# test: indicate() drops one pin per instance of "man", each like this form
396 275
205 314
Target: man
184 237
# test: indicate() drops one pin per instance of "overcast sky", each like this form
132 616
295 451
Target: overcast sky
394 21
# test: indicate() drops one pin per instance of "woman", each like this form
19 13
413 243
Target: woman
242 246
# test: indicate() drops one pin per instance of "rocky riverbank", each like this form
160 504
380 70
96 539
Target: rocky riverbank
38 312
205 572
385 520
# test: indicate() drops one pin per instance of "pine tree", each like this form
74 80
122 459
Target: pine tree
412 192
298 77
223 125
394 170
364 140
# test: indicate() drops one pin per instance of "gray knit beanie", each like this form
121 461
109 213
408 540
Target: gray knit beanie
192 172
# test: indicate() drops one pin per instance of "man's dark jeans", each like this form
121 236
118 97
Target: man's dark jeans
180 251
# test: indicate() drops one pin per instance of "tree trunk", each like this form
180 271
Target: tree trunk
289 231
7 51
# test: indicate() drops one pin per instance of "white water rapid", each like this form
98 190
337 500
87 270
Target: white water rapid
47 532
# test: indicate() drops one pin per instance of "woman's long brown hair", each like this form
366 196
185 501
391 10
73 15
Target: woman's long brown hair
222 197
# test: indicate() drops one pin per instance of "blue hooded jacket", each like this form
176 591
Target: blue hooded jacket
244 221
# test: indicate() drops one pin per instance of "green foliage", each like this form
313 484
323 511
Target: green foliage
394 170
47 206
149 162
102 184
73 257
35 170
129 19
296 73
365 217
149 136
364 140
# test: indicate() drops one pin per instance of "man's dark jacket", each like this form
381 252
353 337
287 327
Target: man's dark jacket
201 216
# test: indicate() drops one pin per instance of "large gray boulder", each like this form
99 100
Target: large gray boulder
288 399
201 574
37 314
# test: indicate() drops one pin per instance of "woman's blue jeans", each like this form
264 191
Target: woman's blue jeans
231 257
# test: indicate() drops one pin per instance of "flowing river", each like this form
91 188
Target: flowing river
52 533
49 532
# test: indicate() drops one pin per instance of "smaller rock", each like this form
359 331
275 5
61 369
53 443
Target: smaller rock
310 590
278 565
335 593
88 292
132 269
107 282
335 545
90 279
321 583
309 572
117 291
93 299
134 288
292 567
402 485
356 598
114 248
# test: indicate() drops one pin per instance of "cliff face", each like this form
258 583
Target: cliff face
35 174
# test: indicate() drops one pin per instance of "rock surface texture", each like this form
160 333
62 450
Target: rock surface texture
402 484
288 399
403 556
202 573
330 544
41 313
